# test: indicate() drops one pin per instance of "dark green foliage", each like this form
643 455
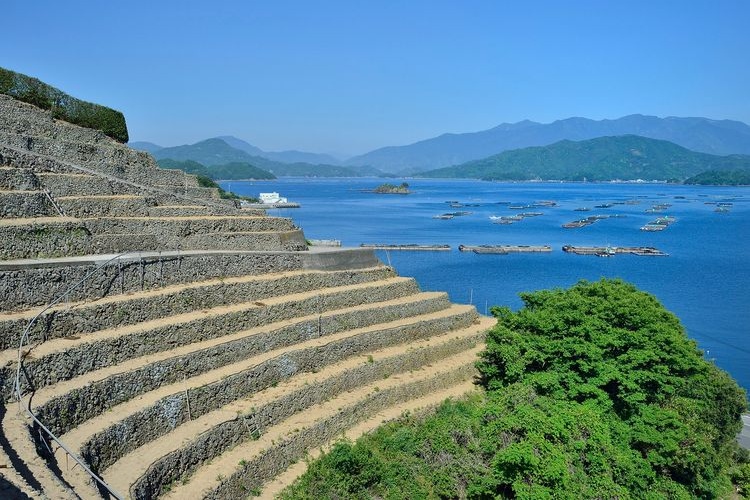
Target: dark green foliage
740 473
606 347
408 459
721 178
627 157
63 106
229 171
591 392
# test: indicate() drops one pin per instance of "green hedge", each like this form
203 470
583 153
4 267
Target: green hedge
63 106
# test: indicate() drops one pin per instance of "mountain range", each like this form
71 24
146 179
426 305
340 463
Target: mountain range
703 135
218 151
627 157
719 137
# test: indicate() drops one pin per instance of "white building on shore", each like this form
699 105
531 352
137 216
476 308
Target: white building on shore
271 198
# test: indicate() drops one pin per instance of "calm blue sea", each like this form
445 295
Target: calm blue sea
705 280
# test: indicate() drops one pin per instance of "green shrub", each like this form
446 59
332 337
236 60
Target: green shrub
63 107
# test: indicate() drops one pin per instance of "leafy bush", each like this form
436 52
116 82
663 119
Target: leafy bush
611 355
63 107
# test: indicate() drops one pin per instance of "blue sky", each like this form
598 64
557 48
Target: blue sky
350 76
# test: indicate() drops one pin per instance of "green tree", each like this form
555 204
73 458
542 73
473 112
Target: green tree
616 351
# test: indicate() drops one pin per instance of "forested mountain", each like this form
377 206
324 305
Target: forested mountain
217 151
233 170
720 137
628 157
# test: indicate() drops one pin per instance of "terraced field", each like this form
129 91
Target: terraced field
179 346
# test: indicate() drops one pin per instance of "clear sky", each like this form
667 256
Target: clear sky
348 76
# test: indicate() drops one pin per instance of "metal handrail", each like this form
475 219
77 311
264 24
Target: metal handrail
19 371
55 205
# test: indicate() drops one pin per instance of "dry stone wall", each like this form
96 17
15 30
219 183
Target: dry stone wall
105 448
24 286
74 408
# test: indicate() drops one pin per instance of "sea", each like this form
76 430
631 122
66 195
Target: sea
704 280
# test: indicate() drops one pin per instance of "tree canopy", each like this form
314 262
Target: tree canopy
613 390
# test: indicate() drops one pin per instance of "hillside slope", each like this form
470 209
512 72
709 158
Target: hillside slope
626 157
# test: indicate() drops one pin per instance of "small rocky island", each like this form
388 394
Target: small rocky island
388 188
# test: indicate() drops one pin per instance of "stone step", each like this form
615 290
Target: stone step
163 408
24 160
187 190
128 205
250 240
168 454
250 464
113 205
125 375
77 184
43 237
27 283
229 380
72 158
78 353
107 157
199 192
80 187
197 210
83 317
24 204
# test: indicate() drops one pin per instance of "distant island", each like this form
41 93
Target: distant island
388 188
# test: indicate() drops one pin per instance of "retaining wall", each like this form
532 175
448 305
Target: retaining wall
107 447
253 473
24 204
27 284
65 412
94 355
87 318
